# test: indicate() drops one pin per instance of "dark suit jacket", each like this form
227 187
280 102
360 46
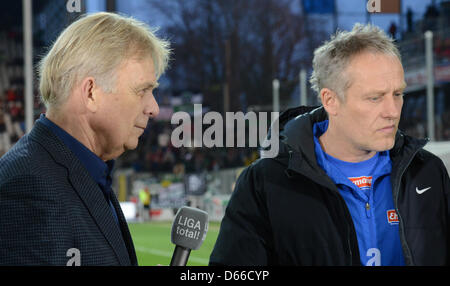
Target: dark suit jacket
49 204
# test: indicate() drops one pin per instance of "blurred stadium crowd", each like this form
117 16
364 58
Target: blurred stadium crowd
156 154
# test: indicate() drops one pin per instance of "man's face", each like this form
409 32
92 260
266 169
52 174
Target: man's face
368 118
124 113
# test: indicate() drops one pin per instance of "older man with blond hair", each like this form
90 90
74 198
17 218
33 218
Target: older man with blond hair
56 202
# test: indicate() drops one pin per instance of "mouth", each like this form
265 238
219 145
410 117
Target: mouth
141 128
388 129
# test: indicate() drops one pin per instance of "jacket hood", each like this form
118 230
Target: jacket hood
297 132
295 129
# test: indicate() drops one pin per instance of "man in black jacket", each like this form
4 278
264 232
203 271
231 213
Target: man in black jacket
347 187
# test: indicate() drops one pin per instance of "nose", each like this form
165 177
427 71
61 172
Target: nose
392 107
151 108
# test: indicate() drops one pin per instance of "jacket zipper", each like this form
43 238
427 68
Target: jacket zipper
349 226
349 247
402 228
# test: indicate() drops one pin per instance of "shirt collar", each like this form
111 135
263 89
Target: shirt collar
383 164
97 168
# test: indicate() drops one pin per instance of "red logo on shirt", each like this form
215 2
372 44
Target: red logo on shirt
363 182
392 217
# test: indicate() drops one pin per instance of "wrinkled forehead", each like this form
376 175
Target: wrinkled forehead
375 70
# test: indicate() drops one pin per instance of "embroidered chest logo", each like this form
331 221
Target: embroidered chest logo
363 182
392 217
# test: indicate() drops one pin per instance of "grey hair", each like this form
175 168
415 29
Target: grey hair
332 58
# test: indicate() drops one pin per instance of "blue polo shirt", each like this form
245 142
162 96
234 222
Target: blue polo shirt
96 167
366 189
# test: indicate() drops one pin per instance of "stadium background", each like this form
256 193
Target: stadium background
226 56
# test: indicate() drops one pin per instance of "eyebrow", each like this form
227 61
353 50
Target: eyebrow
146 85
401 88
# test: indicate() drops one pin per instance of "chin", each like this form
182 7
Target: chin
131 145
387 145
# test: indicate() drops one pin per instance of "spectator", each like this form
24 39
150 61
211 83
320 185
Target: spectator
393 31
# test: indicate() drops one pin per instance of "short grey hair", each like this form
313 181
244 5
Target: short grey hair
332 58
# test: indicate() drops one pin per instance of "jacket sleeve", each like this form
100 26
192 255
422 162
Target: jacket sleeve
31 223
244 236
446 184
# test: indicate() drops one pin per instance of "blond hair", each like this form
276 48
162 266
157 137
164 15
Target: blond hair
332 58
95 45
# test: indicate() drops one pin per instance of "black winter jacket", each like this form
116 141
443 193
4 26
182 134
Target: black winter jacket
287 211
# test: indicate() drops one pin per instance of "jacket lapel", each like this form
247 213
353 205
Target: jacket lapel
125 231
86 188
100 211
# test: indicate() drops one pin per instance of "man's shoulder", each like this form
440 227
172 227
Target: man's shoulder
428 158
268 166
426 155
260 173
26 157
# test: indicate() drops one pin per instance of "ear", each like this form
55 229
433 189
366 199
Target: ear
90 94
330 101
